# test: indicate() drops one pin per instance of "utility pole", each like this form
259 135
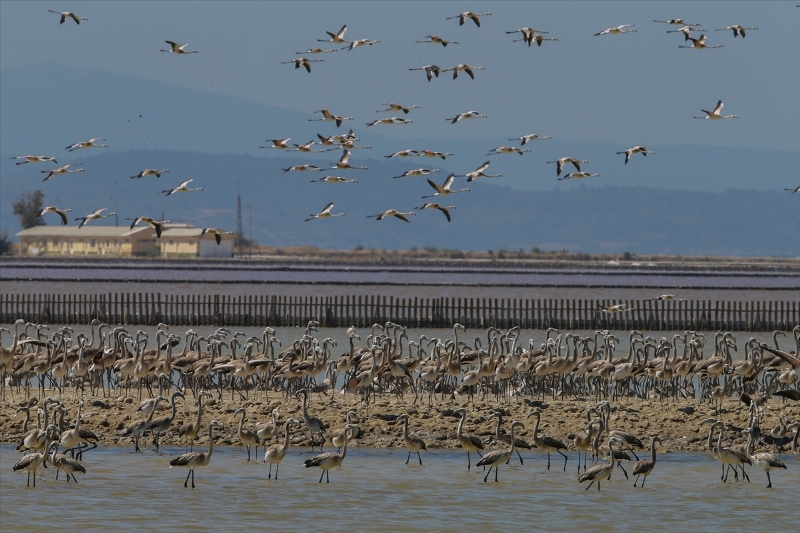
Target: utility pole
250 232
239 230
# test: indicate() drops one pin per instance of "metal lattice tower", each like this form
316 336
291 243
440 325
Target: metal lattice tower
239 230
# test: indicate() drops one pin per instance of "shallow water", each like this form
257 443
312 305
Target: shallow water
452 281
374 490
288 334
685 289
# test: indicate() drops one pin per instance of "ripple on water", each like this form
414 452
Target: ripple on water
375 490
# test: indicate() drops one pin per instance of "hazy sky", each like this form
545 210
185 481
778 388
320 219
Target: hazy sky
636 88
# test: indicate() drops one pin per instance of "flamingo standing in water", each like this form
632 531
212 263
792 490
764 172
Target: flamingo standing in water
329 460
194 460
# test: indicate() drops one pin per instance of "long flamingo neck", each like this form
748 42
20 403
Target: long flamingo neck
344 446
286 437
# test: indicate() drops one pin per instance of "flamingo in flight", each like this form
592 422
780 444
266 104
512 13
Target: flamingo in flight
530 137
438 40
398 107
467 15
179 49
465 115
327 116
480 173
430 70
635 150
700 43
183 187
35 159
303 62
325 213
617 30
444 189
337 37
565 160
443 208
392 213
60 212
737 30
716 113
68 15
95 215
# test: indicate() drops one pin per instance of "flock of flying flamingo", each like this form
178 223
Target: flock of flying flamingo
503 368
346 142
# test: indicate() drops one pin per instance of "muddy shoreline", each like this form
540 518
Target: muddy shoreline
678 423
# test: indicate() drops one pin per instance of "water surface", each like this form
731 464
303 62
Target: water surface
375 491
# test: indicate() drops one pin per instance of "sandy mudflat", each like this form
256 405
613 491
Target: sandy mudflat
677 423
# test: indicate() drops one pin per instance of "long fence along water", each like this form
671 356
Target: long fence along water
363 310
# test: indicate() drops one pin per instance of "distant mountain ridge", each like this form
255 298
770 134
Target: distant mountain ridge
46 107
590 217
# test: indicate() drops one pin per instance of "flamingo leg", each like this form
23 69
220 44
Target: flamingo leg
565 461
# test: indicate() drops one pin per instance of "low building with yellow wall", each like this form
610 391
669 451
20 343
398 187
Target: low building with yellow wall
183 240
177 240
88 240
